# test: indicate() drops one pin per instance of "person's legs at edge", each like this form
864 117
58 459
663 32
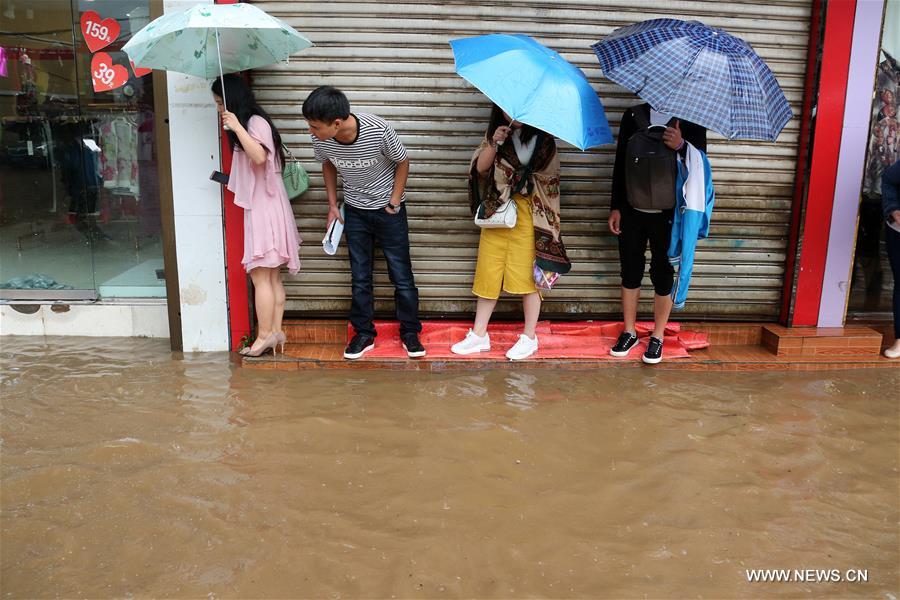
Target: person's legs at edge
892 241
264 298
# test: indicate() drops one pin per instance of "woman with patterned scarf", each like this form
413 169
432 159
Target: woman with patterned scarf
526 170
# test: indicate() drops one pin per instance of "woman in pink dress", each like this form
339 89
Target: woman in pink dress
270 232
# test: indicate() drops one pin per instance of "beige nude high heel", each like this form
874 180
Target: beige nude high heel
271 342
282 338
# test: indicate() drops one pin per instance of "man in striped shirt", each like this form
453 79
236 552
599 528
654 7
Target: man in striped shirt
373 164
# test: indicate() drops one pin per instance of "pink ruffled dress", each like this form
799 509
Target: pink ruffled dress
270 232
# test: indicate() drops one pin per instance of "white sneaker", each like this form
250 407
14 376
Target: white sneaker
472 344
524 348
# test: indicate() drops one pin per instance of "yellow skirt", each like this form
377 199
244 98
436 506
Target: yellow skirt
506 257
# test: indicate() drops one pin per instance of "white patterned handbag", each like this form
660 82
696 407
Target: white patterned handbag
504 216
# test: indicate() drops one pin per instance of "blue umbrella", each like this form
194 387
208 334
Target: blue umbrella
698 73
534 85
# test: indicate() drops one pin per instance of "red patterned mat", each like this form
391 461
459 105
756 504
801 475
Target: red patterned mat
582 339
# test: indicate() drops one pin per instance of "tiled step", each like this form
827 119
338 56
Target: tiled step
850 341
728 334
316 331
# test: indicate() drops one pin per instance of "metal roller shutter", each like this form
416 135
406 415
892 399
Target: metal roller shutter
392 59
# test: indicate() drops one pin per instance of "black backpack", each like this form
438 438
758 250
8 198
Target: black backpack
651 167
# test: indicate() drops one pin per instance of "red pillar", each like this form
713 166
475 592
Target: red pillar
802 156
835 65
238 288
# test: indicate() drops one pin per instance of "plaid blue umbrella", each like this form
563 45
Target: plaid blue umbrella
534 85
698 73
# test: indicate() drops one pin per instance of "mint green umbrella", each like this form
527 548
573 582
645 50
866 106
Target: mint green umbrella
209 40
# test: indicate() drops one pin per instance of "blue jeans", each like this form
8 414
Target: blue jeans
892 241
362 229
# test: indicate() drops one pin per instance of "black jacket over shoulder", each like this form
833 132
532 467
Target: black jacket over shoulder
691 132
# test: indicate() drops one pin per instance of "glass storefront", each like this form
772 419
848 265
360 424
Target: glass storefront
871 284
79 194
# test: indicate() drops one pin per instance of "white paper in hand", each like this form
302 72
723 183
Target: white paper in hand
333 235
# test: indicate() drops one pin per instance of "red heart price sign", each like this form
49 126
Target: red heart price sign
105 75
139 71
98 33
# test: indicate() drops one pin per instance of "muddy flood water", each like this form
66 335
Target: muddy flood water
131 472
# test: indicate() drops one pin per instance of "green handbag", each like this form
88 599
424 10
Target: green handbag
296 181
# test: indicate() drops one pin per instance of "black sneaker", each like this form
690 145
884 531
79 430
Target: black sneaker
654 351
414 348
359 345
624 344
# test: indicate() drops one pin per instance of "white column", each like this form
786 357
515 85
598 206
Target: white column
199 228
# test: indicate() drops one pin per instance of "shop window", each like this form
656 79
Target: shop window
79 192
871 281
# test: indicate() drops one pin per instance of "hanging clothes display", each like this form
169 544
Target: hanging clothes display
149 212
4 63
884 142
79 167
28 97
118 137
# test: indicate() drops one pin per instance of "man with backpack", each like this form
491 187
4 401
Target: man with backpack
649 146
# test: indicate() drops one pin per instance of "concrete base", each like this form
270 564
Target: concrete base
144 319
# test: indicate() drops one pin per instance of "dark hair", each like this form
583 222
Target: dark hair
497 119
240 101
325 104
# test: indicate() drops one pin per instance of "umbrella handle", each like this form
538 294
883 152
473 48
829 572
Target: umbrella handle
221 77
500 143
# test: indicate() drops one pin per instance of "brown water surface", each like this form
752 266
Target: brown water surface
127 472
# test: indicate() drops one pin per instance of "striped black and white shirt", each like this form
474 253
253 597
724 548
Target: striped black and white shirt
367 165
